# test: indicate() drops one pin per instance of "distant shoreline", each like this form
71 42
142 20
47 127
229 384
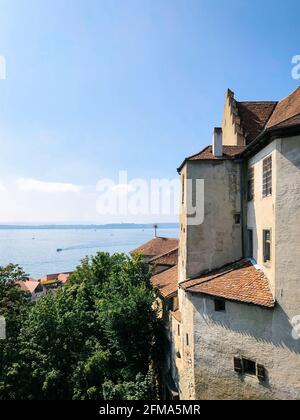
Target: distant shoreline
88 227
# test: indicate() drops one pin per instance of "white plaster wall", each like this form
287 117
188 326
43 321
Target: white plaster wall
243 331
217 241
261 211
287 209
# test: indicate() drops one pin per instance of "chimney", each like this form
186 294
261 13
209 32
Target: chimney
217 145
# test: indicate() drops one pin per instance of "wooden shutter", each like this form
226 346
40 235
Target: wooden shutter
238 365
261 373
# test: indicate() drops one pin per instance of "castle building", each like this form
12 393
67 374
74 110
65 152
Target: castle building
231 297
239 267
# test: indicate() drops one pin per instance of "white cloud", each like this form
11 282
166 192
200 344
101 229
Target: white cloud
2 188
30 184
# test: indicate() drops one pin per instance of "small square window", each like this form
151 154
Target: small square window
237 218
249 367
220 305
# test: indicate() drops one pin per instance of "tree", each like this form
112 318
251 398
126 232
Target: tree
93 339
14 307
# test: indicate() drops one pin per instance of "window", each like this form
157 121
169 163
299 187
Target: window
220 305
250 243
178 330
250 184
249 366
183 189
267 176
267 245
244 366
187 340
237 218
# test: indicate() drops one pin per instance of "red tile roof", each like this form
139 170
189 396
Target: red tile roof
55 277
240 281
254 117
166 282
286 110
64 277
169 259
29 285
157 246
229 152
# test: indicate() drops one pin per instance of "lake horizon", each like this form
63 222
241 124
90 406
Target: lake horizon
35 248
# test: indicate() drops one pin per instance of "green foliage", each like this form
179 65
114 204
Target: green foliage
94 339
134 390
14 307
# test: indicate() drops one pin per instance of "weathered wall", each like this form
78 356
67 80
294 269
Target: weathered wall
243 331
259 334
176 361
186 374
287 210
182 251
218 240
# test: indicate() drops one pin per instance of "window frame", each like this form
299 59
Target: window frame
258 370
267 246
267 177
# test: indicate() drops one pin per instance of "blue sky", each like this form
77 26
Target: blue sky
98 86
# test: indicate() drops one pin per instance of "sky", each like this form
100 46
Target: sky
95 87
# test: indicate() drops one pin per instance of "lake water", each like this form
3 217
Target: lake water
36 249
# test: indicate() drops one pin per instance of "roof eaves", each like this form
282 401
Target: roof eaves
191 157
206 293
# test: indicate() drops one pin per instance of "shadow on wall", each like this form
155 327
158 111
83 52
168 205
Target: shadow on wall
272 327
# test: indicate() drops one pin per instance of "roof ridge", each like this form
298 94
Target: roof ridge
290 94
257 102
